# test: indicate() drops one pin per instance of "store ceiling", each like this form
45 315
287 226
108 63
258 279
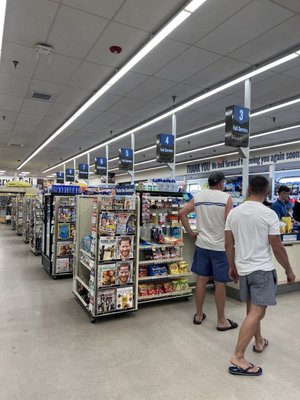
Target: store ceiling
221 39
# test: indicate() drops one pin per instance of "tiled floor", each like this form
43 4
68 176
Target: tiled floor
50 350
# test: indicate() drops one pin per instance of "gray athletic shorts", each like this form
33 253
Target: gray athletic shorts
259 288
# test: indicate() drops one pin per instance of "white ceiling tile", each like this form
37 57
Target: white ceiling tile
74 32
204 20
181 91
102 8
148 110
105 102
24 55
128 38
29 119
58 70
126 105
90 76
45 87
38 16
151 88
293 5
148 15
166 51
12 85
293 72
252 21
270 43
35 107
132 80
21 128
10 103
187 64
73 96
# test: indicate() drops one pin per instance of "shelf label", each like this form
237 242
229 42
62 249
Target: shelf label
237 126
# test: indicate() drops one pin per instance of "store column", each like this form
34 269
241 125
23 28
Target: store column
245 151
272 180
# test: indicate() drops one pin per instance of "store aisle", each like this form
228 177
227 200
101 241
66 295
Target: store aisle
50 350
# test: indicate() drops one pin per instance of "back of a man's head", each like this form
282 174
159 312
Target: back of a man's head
283 188
258 185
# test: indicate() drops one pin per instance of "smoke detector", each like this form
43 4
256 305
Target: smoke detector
115 49
42 49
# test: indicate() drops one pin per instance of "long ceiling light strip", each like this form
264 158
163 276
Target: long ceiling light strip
159 37
2 20
275 107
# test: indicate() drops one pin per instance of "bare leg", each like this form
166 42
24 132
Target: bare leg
259 340
220 299
200 295
248 329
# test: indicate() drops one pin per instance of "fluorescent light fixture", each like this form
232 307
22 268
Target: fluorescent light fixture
276 107
275 145
24 173
2 20
211 128
2 172
161 35
288 128
200 149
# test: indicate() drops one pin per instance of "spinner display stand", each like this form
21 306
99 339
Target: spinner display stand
59 220
36 226
162 272
105 273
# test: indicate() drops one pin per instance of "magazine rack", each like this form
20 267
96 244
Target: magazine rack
19 215
105 273
162 273
36 226
59 220
27 204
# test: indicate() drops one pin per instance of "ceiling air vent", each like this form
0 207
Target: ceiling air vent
16 145
41 96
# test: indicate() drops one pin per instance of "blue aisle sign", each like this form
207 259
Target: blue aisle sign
165 148
100 166
83 171
237 126
70 175
126 159
60 177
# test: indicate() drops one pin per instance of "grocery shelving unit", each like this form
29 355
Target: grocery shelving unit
163 274
13 213
36 226
105 278
4 207
19 215
59 221
27 204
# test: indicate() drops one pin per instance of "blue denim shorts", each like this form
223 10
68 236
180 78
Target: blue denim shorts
211 263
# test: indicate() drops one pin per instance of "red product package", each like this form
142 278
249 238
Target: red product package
152 289
167 287
143 290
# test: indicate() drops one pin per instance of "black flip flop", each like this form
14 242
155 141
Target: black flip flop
199 322
266 342
233 325
234 370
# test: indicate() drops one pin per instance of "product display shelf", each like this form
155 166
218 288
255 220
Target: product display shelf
106 258
59 223
36 226
163 273
4 207
27 205
19 215
13 213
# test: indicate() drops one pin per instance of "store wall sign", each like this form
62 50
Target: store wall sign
83 171
265 159
60 177
237 126
165 148
124 190
70 175
126 159
100 166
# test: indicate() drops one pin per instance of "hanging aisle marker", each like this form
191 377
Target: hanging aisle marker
70 175
101 166
126 159
165 148
83 172
237 126
60 177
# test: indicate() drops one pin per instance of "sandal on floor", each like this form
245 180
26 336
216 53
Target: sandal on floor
233 325
234 370
199 322
266 342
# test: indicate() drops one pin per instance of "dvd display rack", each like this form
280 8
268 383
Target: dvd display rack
27 203
105 274
162 273
36 226
19 215
58 234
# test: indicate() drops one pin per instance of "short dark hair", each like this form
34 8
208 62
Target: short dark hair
215 177
259 185
125 239
284 189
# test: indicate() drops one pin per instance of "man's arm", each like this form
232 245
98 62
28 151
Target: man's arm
282 257
229 206
183 215
229 247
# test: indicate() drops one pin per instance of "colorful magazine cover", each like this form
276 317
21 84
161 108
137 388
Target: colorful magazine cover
125 247
107 248
64 231
124 271
64 214
129 203
63 265
106 301
107 223
65 248
124 298
107 275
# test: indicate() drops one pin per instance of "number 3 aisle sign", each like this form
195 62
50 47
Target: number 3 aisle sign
126 159
165 148
237 126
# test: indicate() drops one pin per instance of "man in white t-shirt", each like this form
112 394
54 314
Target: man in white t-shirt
211 207
251 233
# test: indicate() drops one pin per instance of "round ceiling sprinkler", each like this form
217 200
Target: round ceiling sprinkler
115 49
